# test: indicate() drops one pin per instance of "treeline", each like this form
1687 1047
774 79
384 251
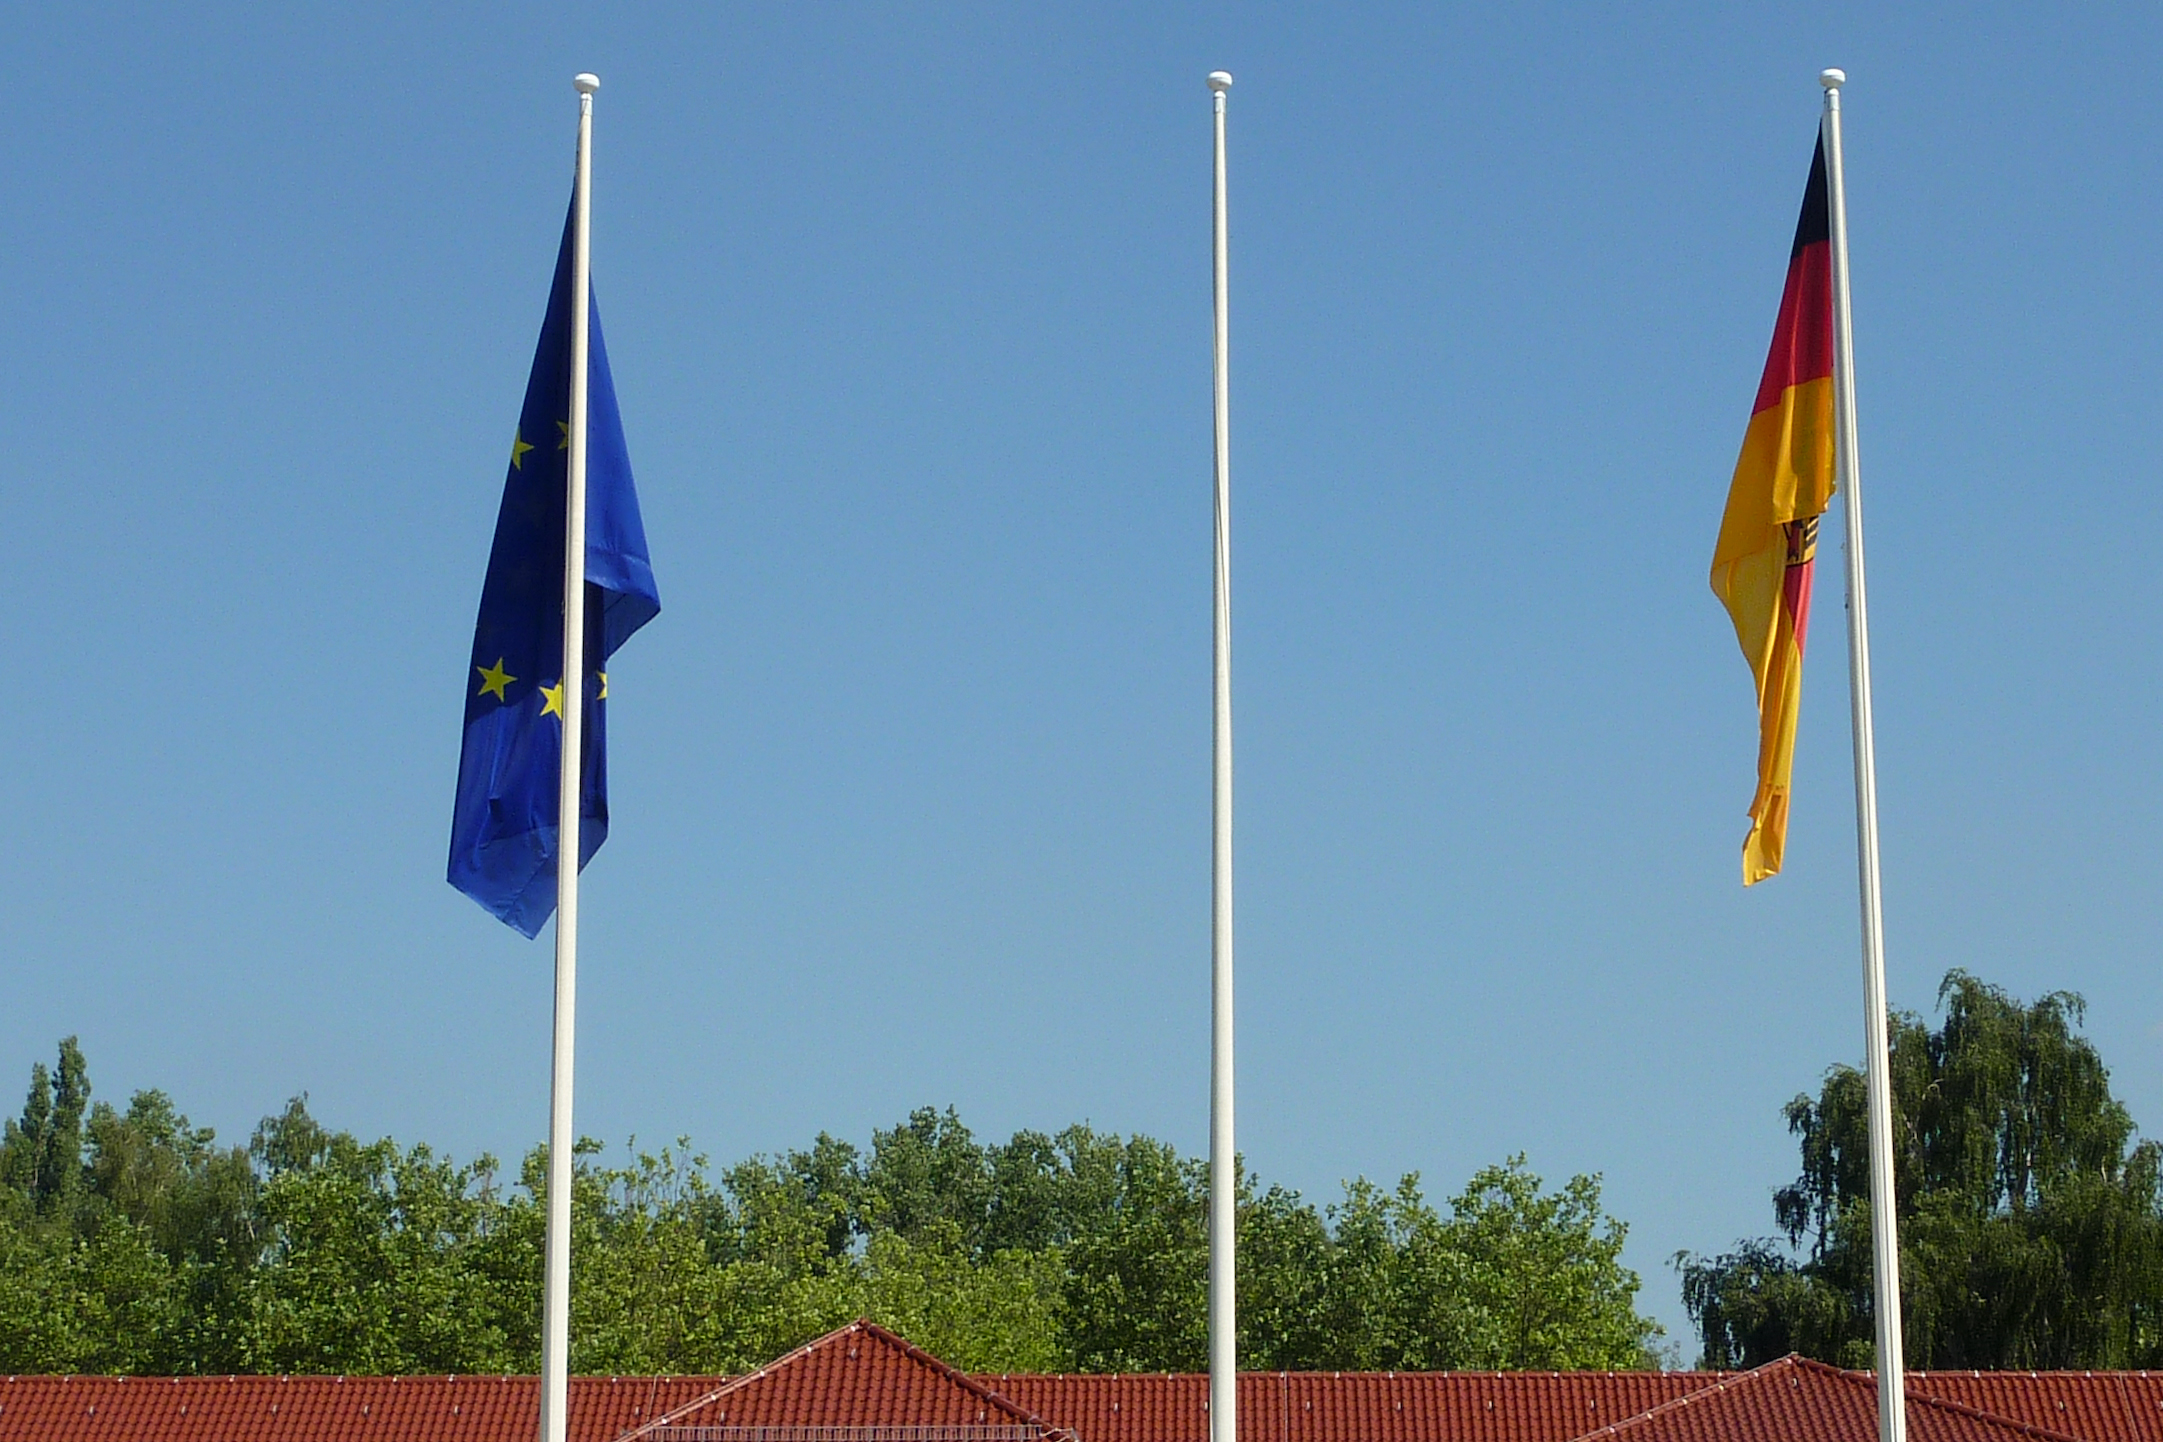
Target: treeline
2030 1215
2031 1234
131 1241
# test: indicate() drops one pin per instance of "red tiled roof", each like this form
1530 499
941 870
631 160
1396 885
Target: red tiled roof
1798 1400
859 1376
2086 1404
864 1377
325 1409
1350 1406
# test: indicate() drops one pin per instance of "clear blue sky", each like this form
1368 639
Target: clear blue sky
909 313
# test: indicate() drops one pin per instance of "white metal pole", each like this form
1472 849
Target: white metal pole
1884 1226
1223 1156
556 1279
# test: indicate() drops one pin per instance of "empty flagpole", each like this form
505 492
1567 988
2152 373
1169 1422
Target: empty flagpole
1884 1231
556 1277
1223 1158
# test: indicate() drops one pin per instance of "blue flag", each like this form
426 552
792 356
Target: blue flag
504 831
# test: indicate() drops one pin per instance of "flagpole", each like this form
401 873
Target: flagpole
556 1277
1884 1226
1223 1157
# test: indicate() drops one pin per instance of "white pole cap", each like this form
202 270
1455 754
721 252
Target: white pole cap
1832 79
1220 80
585 82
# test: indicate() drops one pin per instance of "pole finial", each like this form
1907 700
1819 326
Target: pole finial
585 82
1832 79
1220 80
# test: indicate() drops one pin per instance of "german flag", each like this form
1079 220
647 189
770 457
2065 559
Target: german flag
1762 564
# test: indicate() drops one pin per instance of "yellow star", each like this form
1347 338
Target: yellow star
554 701
565 443
518 451
604 685
494 678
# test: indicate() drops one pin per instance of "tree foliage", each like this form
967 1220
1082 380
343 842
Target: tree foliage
134 1242
2030 1217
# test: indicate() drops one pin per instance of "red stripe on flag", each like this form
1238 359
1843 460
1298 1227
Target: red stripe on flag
1795 594
1802 339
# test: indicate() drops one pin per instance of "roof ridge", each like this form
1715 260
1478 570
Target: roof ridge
1929 1372
865 1326
1676 1404
1859 1378
1962 1409
668 1417
1796 1362
956 1375
1399 1373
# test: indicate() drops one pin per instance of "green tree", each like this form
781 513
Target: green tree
1136 1297
41 1155
2030 1215
995 1314
1514 1277
194 1203
1301 1301
927 1175
367 1252
672 1275
803 1204
1540 1276
131 1240
104 1303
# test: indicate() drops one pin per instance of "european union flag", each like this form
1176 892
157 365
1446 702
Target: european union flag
504 832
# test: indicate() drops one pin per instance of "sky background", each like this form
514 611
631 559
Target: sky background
909 314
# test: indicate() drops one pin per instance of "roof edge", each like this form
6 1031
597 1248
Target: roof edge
864 1325
1958 1409
961 1378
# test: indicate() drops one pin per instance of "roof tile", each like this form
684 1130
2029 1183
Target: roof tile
1798 1400
863 1376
